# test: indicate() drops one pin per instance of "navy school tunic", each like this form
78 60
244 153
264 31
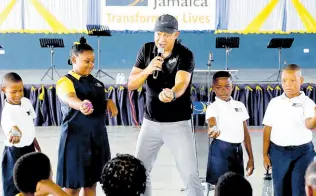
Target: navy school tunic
84 147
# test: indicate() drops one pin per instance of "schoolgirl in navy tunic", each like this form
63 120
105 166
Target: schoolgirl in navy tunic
84 147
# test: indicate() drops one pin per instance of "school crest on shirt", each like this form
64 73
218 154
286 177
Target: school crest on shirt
98 84
297 105
238 109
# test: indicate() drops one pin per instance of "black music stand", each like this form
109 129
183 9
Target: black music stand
279 43
228 43
51 43
99 30
2 50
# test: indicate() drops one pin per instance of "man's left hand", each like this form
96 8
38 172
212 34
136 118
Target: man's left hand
166 95
111 107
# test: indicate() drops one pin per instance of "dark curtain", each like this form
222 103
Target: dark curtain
131 104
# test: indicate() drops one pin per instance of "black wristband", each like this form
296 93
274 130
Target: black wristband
174 96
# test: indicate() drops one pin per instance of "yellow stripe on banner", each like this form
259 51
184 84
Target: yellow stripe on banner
307 19
135 2
5 13
258 21
50 19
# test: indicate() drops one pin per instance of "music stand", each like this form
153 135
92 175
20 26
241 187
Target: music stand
99 30
2 50
228 43
51 43
279 43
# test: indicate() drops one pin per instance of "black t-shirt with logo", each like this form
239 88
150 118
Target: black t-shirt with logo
181 58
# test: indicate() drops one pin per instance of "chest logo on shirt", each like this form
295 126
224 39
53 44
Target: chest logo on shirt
297 105
238 109
170 65
172 61
28 112
98 84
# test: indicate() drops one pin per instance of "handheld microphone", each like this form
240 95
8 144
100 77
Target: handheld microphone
160 53
210 59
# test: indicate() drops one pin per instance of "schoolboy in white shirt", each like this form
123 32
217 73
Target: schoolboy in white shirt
227 126
17 124
287 141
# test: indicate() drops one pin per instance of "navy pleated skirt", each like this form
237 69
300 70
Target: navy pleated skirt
83 152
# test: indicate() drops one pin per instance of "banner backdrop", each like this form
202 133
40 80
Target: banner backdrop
223 16
266 16
48 16
141 15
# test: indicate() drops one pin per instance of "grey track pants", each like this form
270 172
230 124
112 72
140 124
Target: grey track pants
178 137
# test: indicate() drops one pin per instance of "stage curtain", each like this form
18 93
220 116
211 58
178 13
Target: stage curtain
122 97
258 106
256 98
38 121
310 91
132 107
112 94
141 100
250 100
51 95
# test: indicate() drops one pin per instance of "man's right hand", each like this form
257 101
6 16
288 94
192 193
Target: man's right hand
155 64
266 162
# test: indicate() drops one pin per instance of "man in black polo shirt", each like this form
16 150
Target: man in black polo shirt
168 105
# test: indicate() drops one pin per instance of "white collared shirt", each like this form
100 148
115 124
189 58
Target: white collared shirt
21 116
229 119
287 119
